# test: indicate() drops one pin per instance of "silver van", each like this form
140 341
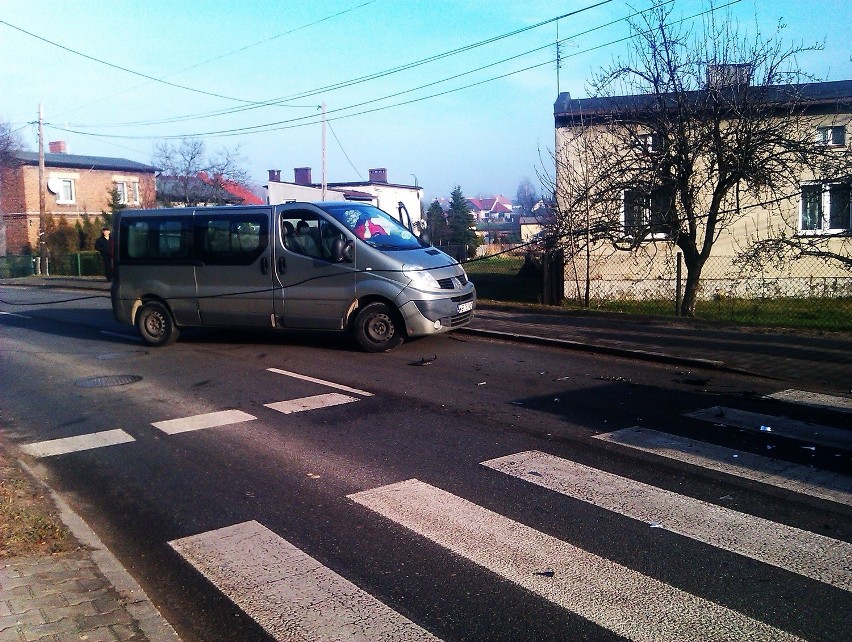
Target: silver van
342 266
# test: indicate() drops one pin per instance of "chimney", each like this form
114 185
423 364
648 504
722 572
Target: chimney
57 147
379 175
274 175
303 175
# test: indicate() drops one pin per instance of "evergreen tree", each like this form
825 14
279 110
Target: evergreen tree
436 224
115 205
461 223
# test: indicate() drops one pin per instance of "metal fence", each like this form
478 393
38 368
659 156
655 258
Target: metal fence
74 264
807 293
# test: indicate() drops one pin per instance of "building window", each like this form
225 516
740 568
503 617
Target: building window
834 135
648 215
135 189
121 189
649 142
825 208
66 194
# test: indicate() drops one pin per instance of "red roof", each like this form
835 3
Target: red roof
235 189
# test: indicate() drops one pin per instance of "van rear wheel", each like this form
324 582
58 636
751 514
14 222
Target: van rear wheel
377 328
155 325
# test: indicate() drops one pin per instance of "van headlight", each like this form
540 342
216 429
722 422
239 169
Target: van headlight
420 277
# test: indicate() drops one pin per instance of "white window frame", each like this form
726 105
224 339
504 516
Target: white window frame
67 194
134 187
646 215
825 135
121 188
825 210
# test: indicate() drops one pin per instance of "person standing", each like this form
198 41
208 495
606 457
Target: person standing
104 247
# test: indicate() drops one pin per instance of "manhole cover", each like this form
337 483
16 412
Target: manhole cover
107 381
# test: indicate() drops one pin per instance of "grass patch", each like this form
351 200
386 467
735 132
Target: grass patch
29 524
496 278
798 313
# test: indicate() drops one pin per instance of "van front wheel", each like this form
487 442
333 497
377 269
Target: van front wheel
377 328
155 325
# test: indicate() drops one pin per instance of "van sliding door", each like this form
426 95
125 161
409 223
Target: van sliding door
234 279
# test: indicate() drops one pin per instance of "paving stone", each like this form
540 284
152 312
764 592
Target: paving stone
31 617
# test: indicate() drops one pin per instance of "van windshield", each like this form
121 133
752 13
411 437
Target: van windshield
373 226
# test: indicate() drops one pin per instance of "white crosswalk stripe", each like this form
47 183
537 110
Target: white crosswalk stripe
310 403
815 399
613 596
781 474
809 554
78 443
782 426
199 422
289 593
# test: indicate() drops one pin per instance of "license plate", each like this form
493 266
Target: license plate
465 307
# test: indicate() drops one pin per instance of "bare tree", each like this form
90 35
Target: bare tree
189 175
684 137
526 197
10 143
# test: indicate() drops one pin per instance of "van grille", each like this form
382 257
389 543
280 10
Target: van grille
450 283
461 319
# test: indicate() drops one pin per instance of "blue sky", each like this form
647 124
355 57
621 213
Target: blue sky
486 138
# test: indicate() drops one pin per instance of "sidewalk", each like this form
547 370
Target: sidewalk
83 594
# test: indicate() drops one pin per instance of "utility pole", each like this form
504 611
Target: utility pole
324 158
42 207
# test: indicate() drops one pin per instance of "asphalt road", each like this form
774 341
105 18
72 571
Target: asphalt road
456 488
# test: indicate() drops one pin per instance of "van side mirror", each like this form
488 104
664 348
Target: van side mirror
341 251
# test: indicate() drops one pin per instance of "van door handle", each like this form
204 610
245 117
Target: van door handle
264 265
282 265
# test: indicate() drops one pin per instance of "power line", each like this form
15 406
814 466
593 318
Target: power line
295 122
372 76
351 164
225 55
171 84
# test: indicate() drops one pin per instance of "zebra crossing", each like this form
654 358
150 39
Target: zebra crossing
611 595
293 596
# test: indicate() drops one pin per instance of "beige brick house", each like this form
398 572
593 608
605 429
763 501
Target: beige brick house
813 209
74 186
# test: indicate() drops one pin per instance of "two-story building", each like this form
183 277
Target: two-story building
75 185
610 152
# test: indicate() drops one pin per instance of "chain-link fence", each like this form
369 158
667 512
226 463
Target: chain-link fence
507 275
806 293
74 264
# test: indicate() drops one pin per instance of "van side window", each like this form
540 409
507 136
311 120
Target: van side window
238 239
305 233
155 239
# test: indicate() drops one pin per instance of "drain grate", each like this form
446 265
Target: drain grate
107 381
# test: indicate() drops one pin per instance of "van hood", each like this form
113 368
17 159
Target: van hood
432 258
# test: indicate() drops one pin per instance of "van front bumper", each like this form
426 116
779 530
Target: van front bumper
433 316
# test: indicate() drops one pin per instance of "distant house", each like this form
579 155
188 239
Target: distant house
203 189
75 186
497 208
376 191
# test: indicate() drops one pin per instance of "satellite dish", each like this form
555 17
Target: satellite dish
54 185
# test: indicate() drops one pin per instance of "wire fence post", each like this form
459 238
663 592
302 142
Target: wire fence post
79 265
678 290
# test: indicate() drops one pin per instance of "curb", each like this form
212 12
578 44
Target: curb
646 355
137 603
